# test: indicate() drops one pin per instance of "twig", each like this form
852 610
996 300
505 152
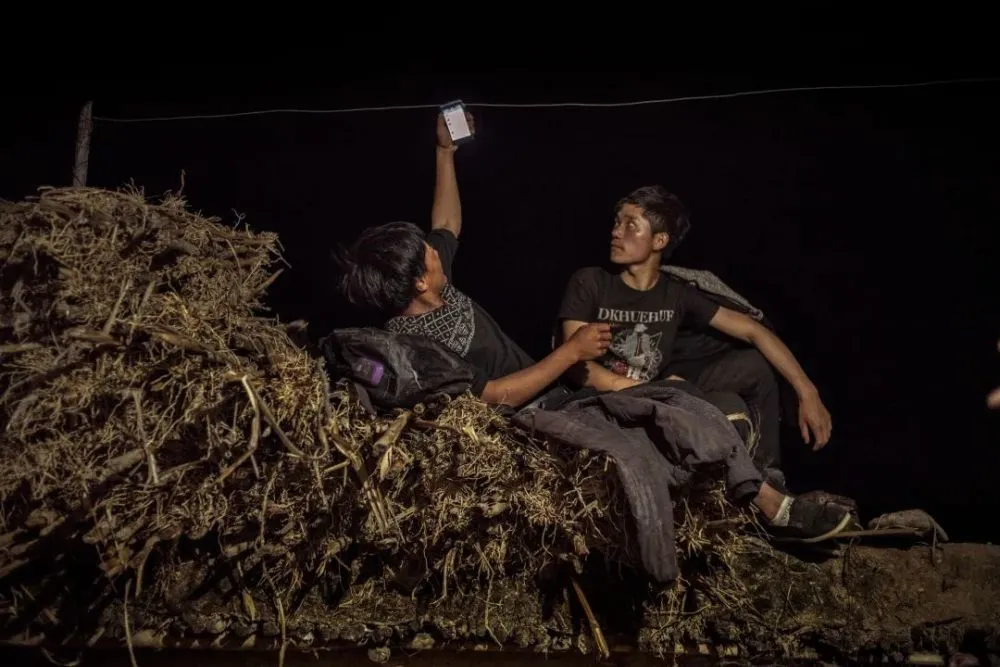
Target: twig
167 335
126 284
270 281
602 644
486 613
254 432
121 463
8 538
284 631
388 442
336 467
263 508
148 292
371 493
424 423
182 246
321 435
141 565
319 482
154 475
17 348
128 630
395 429
273 423
10 567
89 336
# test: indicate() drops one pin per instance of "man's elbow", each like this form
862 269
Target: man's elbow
496 393
757 334
451 225
737 325
491 393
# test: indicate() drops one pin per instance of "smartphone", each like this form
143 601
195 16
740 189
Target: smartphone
458 126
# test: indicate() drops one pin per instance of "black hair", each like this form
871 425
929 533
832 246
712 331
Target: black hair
382 266
664 211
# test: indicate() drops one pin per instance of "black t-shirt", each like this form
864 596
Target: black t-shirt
462 325
695 348
644 324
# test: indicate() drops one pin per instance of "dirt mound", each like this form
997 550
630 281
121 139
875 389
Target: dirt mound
874 605
153 417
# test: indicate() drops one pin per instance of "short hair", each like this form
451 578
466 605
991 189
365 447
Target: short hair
381 268
664 211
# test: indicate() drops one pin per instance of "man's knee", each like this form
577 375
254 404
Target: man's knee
729 403
736 411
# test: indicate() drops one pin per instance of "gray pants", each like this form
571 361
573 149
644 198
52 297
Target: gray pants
746 373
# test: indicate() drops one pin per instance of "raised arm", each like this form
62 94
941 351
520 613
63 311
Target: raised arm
446 212
516 389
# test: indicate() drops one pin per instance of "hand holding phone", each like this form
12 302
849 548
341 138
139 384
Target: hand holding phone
455 125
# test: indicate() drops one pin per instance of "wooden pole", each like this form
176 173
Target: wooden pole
83 130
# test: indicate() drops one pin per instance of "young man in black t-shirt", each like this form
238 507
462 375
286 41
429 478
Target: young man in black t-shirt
645 308
406 275
644 322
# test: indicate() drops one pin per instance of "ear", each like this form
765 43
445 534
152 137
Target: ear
421 285
660 241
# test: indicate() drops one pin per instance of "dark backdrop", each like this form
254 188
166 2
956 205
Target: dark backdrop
862 222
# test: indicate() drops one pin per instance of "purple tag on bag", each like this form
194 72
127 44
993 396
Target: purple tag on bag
369 371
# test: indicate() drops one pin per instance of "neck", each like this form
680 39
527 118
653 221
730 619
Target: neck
423 303
642 276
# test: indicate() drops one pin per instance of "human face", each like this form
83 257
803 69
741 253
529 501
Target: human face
434 279
632 237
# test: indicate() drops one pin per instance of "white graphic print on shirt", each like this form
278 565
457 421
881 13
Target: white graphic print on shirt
635 345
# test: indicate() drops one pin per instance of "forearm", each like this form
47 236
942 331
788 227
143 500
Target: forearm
592 374
446 212
782 359
518 388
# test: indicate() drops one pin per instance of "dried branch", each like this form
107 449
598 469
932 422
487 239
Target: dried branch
139 420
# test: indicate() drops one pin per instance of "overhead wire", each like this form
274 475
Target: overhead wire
553 105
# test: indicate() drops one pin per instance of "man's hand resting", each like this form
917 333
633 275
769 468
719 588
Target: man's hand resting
813 416
590 341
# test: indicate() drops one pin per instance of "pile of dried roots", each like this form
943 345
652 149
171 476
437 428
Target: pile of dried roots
143 399
151 414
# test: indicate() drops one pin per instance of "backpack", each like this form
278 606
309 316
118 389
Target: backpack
393 370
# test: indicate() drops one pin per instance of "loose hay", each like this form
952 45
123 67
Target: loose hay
153 417
143 398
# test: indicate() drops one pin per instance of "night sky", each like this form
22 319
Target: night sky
863 223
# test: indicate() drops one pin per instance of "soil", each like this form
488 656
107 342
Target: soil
878 603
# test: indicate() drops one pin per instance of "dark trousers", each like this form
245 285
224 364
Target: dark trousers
748 374
743 476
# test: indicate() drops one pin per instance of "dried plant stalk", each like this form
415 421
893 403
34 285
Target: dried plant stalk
154 416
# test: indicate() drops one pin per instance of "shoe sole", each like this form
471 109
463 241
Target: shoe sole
833 532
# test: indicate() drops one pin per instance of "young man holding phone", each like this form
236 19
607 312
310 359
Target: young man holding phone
406 275
646 308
